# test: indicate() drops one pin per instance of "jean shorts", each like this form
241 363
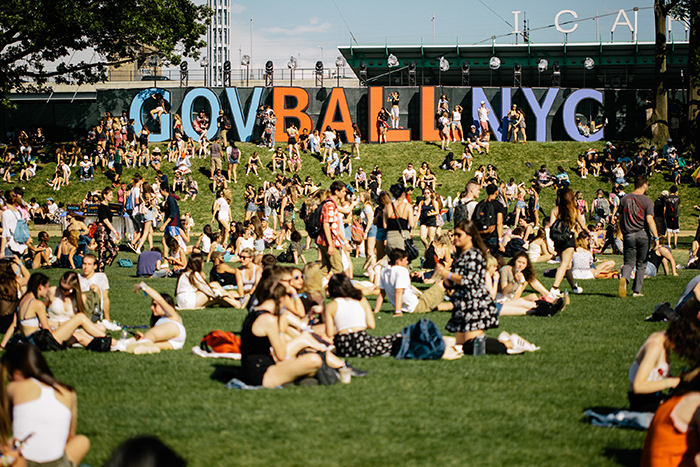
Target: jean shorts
372 231
381 234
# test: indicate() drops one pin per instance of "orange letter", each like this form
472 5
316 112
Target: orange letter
282 112
338 102
376 99
427 114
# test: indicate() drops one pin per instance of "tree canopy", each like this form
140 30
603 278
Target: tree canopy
35 33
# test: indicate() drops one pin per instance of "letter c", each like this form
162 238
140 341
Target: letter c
565 12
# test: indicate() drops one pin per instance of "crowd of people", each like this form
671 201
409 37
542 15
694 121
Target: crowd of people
303 318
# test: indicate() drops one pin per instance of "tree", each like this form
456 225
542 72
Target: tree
38 38
693 11
659 117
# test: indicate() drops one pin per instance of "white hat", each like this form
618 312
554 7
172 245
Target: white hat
482 102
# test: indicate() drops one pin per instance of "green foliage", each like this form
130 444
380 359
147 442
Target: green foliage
36 33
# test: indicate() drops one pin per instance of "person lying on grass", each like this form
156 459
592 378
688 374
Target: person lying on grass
167 331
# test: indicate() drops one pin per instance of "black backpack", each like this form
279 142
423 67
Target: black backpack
313 224
484 217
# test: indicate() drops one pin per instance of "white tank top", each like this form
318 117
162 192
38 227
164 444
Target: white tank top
206 243
247 243
249 283
350 314
48 419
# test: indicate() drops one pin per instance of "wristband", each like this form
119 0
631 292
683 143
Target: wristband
449 277
295 296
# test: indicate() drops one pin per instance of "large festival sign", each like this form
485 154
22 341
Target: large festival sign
292 104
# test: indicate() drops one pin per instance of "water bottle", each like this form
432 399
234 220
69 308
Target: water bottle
479 345
125 334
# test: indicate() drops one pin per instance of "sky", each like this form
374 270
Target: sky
312 30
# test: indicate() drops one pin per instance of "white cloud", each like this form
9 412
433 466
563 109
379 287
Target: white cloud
314 27
237 8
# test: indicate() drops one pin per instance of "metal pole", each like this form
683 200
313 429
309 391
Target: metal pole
247 70
337 75
251 41
433 20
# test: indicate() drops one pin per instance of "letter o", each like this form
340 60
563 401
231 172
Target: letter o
188 103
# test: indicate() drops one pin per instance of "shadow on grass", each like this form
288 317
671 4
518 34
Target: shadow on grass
625 457
224 373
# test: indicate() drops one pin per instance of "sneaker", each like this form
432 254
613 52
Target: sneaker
504 336
279 247
622 289
635 294
110 325
554 293
122 344
355 372
577 290
520 345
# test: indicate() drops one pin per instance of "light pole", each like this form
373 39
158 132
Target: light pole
339 63
321 47
245 61
153 62
205 63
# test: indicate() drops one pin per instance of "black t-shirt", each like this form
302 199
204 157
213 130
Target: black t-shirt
497 207
104 213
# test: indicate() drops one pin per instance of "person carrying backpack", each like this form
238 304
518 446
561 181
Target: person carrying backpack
671 215
488 217
464 206
15 232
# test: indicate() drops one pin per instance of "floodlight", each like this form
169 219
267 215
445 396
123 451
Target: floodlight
444 64
588 63
495 63
392 61
542 65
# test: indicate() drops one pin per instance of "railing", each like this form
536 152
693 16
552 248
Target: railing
237 75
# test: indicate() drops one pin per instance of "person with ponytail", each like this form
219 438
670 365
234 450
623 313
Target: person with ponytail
41 411
565 215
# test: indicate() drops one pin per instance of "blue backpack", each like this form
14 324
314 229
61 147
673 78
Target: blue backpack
421 341
21 233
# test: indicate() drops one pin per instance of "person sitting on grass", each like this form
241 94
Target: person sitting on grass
395 284
267 359
42 411
649 374
167 331
538 249
32 318
348 317
150 264
194 292
582 262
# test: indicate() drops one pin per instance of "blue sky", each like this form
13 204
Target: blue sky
311 30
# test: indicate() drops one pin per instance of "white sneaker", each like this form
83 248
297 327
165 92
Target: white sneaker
504 336
577 290
555 293
109 325
121 344
520 345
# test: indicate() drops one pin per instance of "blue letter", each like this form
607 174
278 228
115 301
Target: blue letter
136 112
541 112
244 125
569 114
187 104
496 125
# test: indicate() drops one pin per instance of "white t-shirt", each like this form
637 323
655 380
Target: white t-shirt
409 174
224 214
9 224
268 234
397 277
483 114
53 207
99 279
66 170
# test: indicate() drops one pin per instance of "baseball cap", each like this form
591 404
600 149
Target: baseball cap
49 199
482 102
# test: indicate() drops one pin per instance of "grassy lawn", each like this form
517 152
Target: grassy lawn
494 410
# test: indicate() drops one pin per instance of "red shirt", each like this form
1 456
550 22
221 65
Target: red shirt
329 215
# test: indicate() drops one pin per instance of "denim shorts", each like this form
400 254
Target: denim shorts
381 234
251 207
172 231
372 231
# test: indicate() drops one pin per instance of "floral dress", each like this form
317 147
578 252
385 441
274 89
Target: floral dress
474 308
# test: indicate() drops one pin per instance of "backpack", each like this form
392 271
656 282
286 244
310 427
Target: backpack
92 230
21 233
313 224
221 342
358 233
560 232
226 123
484 217
602 207
421 341
514 246
462 212
671 207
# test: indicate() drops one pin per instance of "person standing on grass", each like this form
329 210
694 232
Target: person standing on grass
331 241
671 216
215 163
172 225
234 156
566 218
107 250
636 223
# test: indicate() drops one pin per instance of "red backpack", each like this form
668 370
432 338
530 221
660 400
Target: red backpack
221 342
